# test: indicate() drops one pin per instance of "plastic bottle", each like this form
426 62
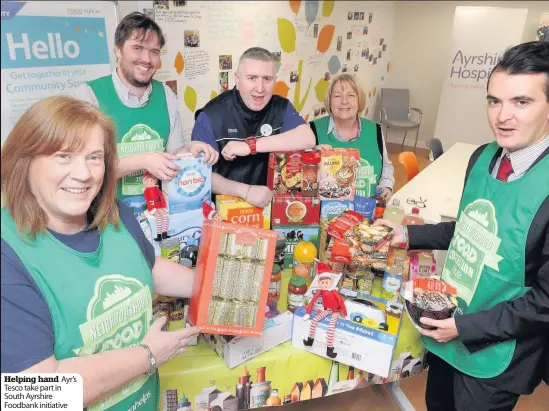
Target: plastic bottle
304 258
274 399
380 204
189 253
394 212
413 218
184 404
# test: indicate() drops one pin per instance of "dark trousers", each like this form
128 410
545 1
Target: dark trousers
449 390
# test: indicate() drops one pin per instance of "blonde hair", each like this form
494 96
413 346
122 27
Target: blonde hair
350 80
49 125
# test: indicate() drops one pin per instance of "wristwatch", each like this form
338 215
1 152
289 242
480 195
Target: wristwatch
252 143
152 360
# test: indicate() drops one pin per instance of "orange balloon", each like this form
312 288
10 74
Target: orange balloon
281 89
325 38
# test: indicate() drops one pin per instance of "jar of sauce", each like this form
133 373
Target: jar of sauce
296 292
309 173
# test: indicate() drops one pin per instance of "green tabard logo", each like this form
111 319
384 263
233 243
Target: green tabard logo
139 139
474 245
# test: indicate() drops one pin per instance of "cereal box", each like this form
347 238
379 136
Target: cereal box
284 173
191 187
237 211
233 273
338 173
288 237
182 226
295 209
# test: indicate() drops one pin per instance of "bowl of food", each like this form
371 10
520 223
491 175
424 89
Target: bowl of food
430 304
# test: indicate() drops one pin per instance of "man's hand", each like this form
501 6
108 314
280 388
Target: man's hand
210 154
386 192
397 238
259 196
161 166
235 149
446 329
196 147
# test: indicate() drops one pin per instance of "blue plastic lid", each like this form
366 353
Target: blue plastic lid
378 191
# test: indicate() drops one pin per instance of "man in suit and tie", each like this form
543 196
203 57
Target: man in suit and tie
495 348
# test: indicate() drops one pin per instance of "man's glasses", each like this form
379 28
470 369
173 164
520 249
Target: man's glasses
419 204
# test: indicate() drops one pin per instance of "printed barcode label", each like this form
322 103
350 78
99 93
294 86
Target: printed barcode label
356 356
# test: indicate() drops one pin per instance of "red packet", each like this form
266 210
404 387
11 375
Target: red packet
434 285
340 225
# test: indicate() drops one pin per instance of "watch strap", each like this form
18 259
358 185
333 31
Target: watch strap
252 143
152 360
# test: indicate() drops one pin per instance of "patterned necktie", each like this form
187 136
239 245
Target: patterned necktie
505 168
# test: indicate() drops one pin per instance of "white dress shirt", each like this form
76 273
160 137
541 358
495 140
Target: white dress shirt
522 159
130 100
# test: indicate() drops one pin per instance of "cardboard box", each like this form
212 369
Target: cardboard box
364 347
236 351
191 187
328 211
233 273
181 226
237 211
288 237
337 175
284 173
295 209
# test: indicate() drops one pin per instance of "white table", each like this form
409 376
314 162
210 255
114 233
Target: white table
440 183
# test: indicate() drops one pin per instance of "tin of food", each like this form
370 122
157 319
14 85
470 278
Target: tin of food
169 249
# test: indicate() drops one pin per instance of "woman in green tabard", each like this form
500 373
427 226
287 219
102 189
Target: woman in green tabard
78 275
344 128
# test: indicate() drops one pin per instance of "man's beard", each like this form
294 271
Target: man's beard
128 75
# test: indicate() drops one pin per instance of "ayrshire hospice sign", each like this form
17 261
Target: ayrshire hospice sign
473 67
480 36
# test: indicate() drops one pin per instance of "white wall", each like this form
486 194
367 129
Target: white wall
422 41
230 27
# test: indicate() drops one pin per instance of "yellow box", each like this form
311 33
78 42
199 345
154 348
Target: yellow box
237 211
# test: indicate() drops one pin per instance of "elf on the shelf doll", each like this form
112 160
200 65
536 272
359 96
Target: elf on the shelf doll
333 305
156 204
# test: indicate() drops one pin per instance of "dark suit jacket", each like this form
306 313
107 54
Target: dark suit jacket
525 319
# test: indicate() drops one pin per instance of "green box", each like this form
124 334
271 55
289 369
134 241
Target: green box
288 237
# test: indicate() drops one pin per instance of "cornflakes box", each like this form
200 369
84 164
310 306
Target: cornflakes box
191 187
338 174
237 211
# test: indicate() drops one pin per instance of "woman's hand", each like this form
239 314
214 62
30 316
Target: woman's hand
167 344
386 192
